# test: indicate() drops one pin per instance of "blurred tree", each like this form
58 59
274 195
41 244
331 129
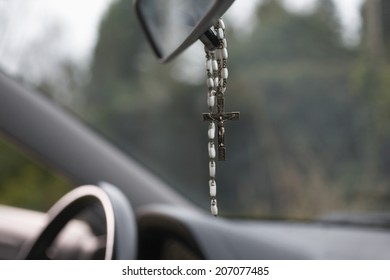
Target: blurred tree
371 78
385 18
24 183
373 35
295 70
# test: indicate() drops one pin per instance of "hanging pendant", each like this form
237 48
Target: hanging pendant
217 74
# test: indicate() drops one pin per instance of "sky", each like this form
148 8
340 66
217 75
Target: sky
76 20
81 20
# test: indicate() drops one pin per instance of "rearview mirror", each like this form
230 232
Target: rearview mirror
173 25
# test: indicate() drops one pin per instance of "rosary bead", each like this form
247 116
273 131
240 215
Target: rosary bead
224 73
215 65
221 23
211 150
212 168
210 83
216 81
213 188
211 131
214 208
221 53
220 33
211 101
224 53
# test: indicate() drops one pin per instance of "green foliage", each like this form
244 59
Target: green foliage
24 183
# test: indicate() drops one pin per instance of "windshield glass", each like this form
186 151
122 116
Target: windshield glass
311 82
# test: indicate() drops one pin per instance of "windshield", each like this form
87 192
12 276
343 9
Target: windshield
311 82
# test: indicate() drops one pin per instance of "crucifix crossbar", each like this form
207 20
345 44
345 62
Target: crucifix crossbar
220 117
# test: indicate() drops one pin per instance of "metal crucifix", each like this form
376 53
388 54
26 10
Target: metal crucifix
220 117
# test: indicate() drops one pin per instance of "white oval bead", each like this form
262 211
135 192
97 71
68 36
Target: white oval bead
221 34
224 73
216 81
221 23
212 168
210 83
215 65
211 150
211 101
224 53
211 131
214 208
213 188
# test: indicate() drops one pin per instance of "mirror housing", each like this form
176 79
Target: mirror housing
171 26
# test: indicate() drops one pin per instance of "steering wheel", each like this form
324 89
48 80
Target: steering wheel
120 221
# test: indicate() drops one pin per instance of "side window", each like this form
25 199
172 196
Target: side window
25 183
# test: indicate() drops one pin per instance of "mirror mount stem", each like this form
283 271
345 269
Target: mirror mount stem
210 40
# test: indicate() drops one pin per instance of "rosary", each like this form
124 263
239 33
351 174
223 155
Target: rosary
217 74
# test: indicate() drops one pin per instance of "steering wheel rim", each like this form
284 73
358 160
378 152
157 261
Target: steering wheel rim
120 221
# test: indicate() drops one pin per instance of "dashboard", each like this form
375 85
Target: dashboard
167 232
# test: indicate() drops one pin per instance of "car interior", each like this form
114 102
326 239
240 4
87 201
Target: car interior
122 174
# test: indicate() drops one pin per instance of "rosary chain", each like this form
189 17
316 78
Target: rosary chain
217 74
